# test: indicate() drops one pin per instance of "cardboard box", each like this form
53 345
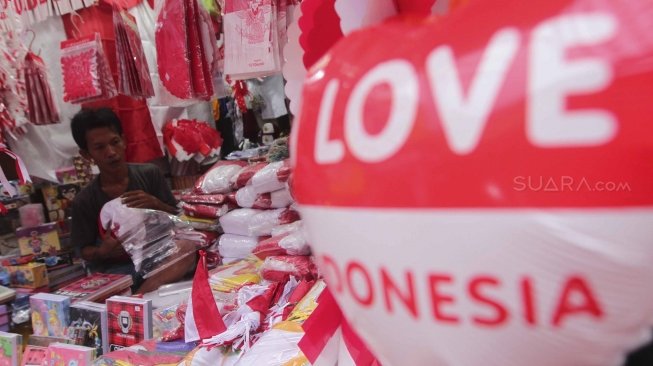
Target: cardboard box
42 239
31 275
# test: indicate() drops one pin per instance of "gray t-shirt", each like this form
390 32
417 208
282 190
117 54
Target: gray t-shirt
89 202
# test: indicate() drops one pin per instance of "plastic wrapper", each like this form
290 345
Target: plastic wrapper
276 346
236 246
153 239
205 211
287 228
85 69
305 307
272 177
251 222
186 49
251 39
248 198
292 243
201 224
218 178
226 280
280 268
211 356
134 75
40 104
245 175
168 322
207 199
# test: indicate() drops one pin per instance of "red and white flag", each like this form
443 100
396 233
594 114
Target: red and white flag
203 319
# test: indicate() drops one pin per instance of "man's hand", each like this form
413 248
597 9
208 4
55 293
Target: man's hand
140 199
110 248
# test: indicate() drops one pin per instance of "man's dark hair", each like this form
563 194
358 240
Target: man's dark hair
90 119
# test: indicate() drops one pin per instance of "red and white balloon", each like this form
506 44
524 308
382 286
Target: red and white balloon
478 188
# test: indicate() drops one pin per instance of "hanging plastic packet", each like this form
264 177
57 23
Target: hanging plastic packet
134 79
41 107
85 70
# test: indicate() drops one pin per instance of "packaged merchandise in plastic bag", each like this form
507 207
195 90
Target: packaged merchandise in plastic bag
236 246
40 104
276 346
290 243
218 178
251 222
247 197
287 228
244 176
272 177
205 211
153 239
207 199
251 39
85 69
226 280
280 268
133 72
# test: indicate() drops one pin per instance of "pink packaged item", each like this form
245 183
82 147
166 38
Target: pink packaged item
244 176
247 197
218 178
31 215
280 268
272 177
207 199
292 243
205 211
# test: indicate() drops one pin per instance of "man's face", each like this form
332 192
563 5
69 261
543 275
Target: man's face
106 148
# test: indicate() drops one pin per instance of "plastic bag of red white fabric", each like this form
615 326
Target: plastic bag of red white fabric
207 199
205 211
85 70
246 197
271 177
218 178
292 243
251 222
153 239
236 246
244 177
280 268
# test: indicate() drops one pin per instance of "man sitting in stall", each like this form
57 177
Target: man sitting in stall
98 133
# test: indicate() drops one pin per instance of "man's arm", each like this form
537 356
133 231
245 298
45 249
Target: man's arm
141 199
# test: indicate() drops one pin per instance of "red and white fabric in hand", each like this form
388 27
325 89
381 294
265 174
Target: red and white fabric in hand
247 197
40 105
271 177
292 243
85 69
218 178
280 268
